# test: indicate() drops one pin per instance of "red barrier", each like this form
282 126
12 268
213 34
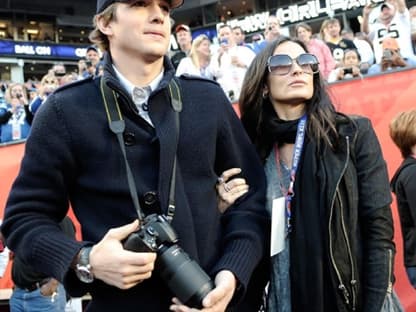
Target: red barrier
378 97
381 98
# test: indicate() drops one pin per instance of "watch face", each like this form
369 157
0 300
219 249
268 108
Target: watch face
84 273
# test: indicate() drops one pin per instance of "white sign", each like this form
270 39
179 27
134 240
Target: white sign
32 50
297 13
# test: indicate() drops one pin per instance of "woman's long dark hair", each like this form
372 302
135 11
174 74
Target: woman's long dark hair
255 109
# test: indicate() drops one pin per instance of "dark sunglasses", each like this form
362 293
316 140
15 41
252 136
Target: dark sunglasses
59 74
281 64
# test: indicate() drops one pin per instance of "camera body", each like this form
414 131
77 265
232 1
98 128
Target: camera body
184 277
387 54
348 70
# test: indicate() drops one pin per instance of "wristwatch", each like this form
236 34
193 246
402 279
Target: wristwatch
83 267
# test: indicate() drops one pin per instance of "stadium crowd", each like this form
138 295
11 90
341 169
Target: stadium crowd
386 42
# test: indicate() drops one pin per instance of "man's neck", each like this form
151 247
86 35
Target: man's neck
414 151
138 71
186 48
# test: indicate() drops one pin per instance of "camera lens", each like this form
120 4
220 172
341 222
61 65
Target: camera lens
184 276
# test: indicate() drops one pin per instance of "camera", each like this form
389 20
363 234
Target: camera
224 41
88 63
387 54
348 70
184 277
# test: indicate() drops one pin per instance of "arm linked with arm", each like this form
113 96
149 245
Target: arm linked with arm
245 225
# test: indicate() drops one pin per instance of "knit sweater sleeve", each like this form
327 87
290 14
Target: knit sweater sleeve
246 222
38 200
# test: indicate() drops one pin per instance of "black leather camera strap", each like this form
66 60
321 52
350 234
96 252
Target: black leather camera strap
117 126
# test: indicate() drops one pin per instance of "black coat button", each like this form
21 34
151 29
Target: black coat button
129 139
150 198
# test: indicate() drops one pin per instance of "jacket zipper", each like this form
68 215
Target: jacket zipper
341 286
390 284
353 280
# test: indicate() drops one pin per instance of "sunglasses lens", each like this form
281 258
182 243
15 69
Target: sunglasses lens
280 64
308 62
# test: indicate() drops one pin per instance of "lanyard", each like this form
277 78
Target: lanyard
297 152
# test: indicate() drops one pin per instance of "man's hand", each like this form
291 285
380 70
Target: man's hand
117 266
217 300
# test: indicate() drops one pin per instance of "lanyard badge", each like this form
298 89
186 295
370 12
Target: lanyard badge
297 153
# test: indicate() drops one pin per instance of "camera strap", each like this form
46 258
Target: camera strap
117 126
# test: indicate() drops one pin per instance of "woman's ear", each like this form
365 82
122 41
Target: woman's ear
265 93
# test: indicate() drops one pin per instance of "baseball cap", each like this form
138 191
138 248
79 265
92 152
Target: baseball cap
390 43
388 5
103 4
182 27
92 47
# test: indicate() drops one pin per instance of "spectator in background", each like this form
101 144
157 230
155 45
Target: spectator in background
230 63
199 59
351 67
403 184
393 21
316 47
412 12
271 32
93 54
32 93
184 39
92 60
239 36
48 84
58 70
15 116
391 58
331 34
364 49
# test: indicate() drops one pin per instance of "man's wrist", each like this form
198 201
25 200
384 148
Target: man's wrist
83 268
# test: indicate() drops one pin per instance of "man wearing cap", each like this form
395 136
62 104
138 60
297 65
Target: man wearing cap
93 54
184 39
393 21
100 142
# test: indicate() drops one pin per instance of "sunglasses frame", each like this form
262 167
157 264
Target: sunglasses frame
292 61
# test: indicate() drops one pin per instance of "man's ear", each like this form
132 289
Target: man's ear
103 25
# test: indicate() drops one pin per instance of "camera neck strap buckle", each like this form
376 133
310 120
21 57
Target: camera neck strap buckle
117 126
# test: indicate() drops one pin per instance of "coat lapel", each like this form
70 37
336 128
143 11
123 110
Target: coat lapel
163 117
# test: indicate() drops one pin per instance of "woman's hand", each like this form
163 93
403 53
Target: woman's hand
230 190
217 300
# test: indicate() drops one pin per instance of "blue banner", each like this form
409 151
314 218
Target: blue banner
25 49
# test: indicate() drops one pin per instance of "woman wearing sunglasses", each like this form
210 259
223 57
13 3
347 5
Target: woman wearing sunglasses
328 190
